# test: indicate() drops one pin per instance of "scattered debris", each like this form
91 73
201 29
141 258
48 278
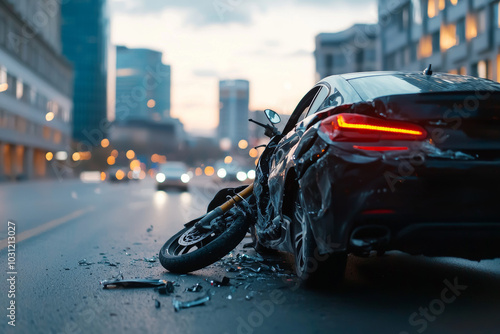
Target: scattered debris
166 289
178 305
135 283
84 262
223 282
150 229
195 288
118 276
157 303
229 297
151 259
250 295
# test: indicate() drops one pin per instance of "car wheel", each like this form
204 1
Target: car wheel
311 267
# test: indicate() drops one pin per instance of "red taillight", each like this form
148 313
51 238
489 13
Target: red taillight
359 128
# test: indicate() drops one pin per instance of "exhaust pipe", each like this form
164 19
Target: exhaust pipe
370 237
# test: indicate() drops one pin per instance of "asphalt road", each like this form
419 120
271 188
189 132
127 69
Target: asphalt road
59 224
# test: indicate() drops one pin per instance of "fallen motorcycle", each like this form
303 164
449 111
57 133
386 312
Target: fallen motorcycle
207 239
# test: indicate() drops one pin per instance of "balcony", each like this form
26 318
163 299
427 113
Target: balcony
434 24
476 4
480 43
456 12
457 53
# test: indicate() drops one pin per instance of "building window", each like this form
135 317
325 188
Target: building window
481 21
402 18
436 41
481 69
417 11
2 30
21 124
470 26
57 137
496 17
47 133
448 36
425 47
434 6
460 31
498 68
19 89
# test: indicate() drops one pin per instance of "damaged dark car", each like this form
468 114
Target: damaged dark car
380 161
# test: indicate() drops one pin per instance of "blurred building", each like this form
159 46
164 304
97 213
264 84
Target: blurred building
456 36
147 137
142 85
35 89
85 42
351 50
234 96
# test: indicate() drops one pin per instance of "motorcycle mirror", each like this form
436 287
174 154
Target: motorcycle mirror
272 116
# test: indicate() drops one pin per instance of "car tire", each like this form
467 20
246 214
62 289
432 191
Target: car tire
315 270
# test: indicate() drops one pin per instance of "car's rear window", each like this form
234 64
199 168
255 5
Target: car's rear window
372 87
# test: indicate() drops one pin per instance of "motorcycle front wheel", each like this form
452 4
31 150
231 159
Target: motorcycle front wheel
191 249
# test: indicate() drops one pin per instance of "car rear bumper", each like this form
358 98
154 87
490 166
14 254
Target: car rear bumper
432 206
171 183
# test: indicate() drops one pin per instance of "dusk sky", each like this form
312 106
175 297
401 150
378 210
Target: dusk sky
270 44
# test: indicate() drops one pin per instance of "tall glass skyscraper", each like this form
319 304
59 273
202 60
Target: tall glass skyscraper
234 98
142 85
85 42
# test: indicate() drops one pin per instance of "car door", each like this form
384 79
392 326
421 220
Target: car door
283 158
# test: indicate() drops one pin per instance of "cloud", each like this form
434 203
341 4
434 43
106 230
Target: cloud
300 53
221 12
205 73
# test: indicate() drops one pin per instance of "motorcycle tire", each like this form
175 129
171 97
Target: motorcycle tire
181 259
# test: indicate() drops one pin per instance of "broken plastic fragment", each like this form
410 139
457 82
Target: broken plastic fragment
166 289
223 282
84 262
151 259
195 288
149 229
232 269
178 305
135 283
157 303
250 295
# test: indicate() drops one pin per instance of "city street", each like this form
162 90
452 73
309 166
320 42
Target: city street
112 228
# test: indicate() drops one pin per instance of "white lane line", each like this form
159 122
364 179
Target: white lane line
45 227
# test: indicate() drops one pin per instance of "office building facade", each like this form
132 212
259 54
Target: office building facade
351 50
455 36
85 42
142 85
35 90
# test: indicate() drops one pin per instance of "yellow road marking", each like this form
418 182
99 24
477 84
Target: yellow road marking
45 227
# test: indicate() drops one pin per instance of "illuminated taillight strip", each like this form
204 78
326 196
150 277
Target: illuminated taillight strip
343 124
381 148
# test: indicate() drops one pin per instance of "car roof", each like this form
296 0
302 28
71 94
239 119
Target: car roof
437 82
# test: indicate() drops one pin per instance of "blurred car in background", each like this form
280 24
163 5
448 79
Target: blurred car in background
173 174
118 174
